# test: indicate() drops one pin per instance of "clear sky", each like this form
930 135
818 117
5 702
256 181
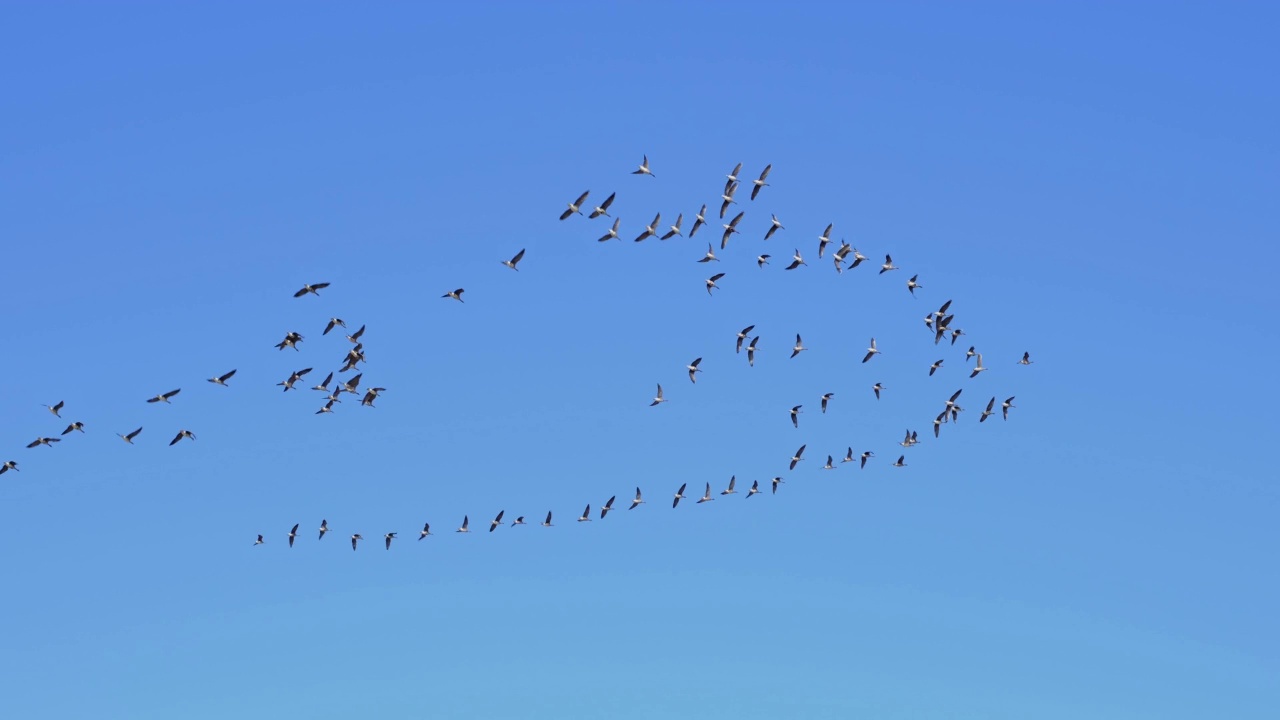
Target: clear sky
1087 181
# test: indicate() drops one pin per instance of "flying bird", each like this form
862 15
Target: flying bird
425 531
1004 407
129 438
294 377
291 339
934 367
333 322
759 182
55 409
10 465
650 230
733 176
324 528
355 539
901 461
706 495
77 425
796 261
799 347
1026 359
547 522
871 352
795 416
466 520
988 411
797 457
912 285
762 260
659 398
293 533
575 206
729 490
675 229
164 398
755 488
388 538
259 541
602 208
865 455
586 514
977 368
742 335
493 524
711 255
639 500
887 266
644 168
679 495
311 289
698 221
46 441
776 482
829 465
826 397
324 386
607 507
693 369
711 282
774 227
514 260
181 434
354 338
613 231
519 521
730 228
751 352
456 295
222 379
877 388
726 198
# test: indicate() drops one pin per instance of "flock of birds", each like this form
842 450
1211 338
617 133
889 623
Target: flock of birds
939 322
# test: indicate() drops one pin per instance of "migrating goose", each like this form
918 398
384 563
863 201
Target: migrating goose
774 227
934 367
912 285
693 369
334 322
425 531
455 294
848 456
799 347
711 255
586 514
547 522
733 176
797 457
776 482
675 229
759 182
937 423
1004 406
730 228
324 386
711 282
871 351
46 441
699 220
293 533
796 261
493 524
659 398
354 337
826 397
729 490
10 465
388 538
857 259
755 488
830 465
324 528
650 230
762 260
706 496
951 401
865 455
466 520
311 289
129 438
181 434
607 506
679 495
1026 359
901 461
222 379
955 334
259 541
887 266
824 239
876 388
519 521
294 377
751 351
55 409
356 539
514 260
164 398
977 368
350 385
969 353
742 335
644 168
291 339
613 231
77 425
602 208
795 416
726 198
988 411
370 396
575 206
637 501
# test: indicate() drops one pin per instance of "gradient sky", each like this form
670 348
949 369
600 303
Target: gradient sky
1087 182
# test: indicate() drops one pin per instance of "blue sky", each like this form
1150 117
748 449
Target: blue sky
1086 181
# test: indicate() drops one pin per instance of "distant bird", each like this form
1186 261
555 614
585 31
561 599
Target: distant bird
1026 359
222 379
826 398
324 528
726 198
181 434
637 501
759 182
951 401
77 425
607 506
742 335
871 352
326 408
354 338
466 520
693 369
659 398
493 524
797 457
519 521
333 322
733 176
547 522
675 229
776 482
602 208
969 353
887 266
912 285
259 541
679 495
698 221
324 386
774 227
129 438
934 367
988 411
644 168
650 230
795 416
955 334
55 409
46 441
294 377
799 347
711 281
711 255
425 531
311 289
977 368
11 465
848 456
730 228
586 514
865 455
877 388
350 385
370 396
751 351
762 260
291 339
613 231
937 422
857 259
388 538
829 465
755 488
729 490
706 496
164 398
575 206
455 294
514 260
796 261
1004 406
356 539
901 461
293 533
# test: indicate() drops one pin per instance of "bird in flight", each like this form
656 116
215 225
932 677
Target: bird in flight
46 441
355 539
324 386
222 379
679 495
871 352
259 541
164 398
762 260
181 434
733 176
988 411
613 231
324 528
639 500
774 227
519 521
602 208
912 285
711 255
493 524
55 409
901 461
650 230
354 338
730 228
755 488
575 206
699 220
729 490
294 377
693 369
826 397
977 368
675 229
742 335
776 482
659 398
799 347
726 198
586 514
77 425
759 182
333 322
876 388
706 495
711 282
129 438
466 520
456 295
829 465
751 352
795 416
796 261
1004 406
887 266
865 456
514 260
10 465
1026 359
547 522
293 533
425 531
934 367
644 168
311 289
388 538
607 506
797 457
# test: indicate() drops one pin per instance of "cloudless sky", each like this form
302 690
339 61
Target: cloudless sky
1090 182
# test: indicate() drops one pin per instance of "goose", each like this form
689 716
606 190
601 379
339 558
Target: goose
742 335
493 524
675 229
46 441
355 539
575 206
10 465
370 396
711 282
129 438
466 520
354 338
519 521
693 369
776 482
795 416
865 455
294 377
293 533
586 514
823 240
730 228
679 495
1026 359
334 322
857 259
324 386
324 528
755 488
1004 406
659 398
751 351
871 352
726 198
711 255
547 522
650 230
912 285
514 260
797 457
759 182
774 227
829 465
388 538
934 367
181 434
350 385
259 541
762 260
613 231
644 168
291 339
311 289
607 506
425 531
796 261
637 501
699 220
77 425
55 409
877 388
706 496
988 411
977 368
603 208
729 490
222 379
887 266
733 176
826 398
799 347
901 461
969 353
455 294
164 397
955 335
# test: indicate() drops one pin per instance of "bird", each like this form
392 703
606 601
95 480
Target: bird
650 230
519 521
46 441
675 229
294 377
351 384
977 368
333 322
607 506
706 495
887 266
547 522
872 351
602 208
639 500
455 294
1004 406
912 285
293 533
733 176
762 260
857 259
354 337
988 411
795 416
797 457
370 396
388 538
466 520
324 528
901 461
829 465
711 255
77 425
493 524
129 438
826 397
311 289
755 488
729 490
575 206
711 281
327 408
955 334
934 367
586 514
693 369
291 339
969 353
259 541
759 182
55 409
742 335
644 168
222 379
425 531
751 352
356 539
876 388
951 401
796 261
613 231
865 455
1026 359
848 455
774 227
776 482
679 495
726 198
324 386
799 347
699 220
10 465
181 434
825 238
937 422
730 228
164 397
659 398
514 260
